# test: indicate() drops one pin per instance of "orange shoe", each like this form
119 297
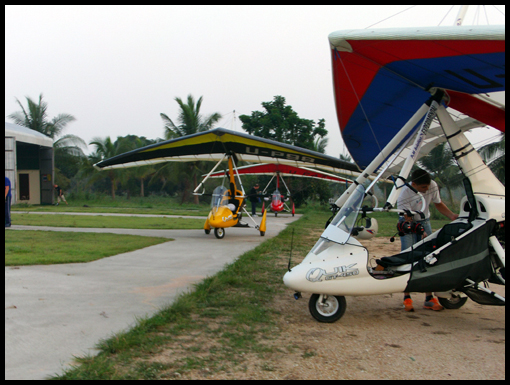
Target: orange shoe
408 304
433 304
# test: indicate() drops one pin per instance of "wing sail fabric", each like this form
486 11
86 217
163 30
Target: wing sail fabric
271 169
382 76
214 144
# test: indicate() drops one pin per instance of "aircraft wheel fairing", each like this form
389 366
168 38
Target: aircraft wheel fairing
327 308
219 232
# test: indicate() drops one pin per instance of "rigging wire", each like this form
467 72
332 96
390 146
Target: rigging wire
446 15
475 17
499 10
398 13
337 55
229 120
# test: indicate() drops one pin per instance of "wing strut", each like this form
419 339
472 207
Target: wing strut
415 150
470 162
203 180
387 151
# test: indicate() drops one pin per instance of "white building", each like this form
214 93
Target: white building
29 165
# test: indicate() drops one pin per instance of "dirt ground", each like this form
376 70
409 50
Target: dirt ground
376 339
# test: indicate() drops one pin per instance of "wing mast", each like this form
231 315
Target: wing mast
461 14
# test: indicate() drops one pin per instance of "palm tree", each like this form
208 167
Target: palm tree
441 165
67 149
69 155
35 118
320 145
494 155
190 121
106 149
131 142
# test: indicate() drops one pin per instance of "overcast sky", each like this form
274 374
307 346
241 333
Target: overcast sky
116 68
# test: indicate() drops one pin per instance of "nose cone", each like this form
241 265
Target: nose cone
290 280
221 218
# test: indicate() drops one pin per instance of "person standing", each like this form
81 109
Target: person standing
60 195
7 202
410 200
254 198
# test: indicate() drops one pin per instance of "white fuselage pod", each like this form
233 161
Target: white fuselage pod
340 269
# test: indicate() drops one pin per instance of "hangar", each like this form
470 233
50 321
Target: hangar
29 164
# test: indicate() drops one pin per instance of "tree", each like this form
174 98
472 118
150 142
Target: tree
440 164
35 118
190 121
281 123
106 149
67 149
132 142
320 145
494 155
68 158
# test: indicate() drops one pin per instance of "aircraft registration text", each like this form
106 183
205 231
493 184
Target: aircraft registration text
318 275
278 154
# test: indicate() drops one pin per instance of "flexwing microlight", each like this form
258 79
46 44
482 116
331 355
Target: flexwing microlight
390 85
218 145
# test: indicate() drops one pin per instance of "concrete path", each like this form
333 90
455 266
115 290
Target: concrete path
55 312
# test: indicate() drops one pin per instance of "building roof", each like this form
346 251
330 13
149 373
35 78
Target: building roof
27 135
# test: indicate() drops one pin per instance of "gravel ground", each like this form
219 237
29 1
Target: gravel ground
376 339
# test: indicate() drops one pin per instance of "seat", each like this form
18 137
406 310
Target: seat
450 232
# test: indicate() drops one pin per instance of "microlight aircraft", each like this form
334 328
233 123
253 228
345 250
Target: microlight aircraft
277 171
390 85
219 145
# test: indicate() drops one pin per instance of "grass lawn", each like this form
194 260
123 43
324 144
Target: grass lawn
51 247
135 205
104 221
216 328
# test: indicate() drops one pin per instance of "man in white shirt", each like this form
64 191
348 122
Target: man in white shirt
409 200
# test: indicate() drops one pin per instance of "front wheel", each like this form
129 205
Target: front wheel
219 232
453 302
327 308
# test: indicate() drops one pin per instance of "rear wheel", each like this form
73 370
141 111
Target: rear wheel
219 232
327 308
453 302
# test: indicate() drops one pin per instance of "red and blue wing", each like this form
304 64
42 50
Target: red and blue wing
381 77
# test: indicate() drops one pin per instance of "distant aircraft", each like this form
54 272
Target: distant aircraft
219 145
277 171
